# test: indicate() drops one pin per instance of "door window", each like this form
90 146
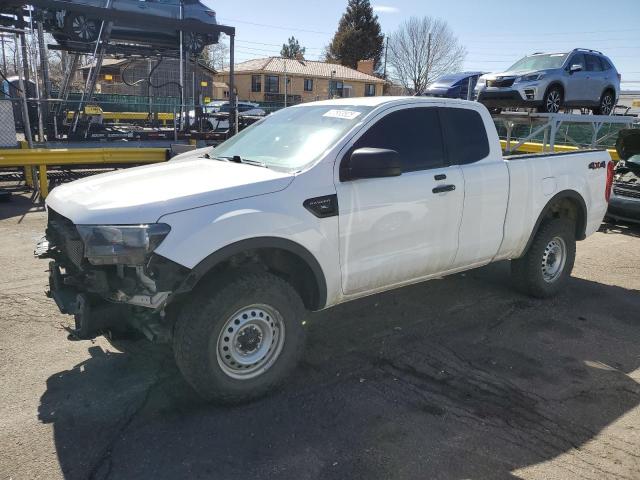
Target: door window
415 133
593 63
465 135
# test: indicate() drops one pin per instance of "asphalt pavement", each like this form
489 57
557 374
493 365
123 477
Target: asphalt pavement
455 378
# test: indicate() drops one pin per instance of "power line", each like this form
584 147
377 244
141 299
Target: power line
276 45
275 26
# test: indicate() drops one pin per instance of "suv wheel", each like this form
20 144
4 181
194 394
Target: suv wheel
239 337
195 43
552 101
81 29
606 104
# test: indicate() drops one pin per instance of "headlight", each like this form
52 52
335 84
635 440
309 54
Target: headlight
531 78
121 244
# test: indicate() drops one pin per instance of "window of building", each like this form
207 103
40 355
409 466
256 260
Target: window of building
272 84
256 83
369 90
415 133
308 84
465 135
335 88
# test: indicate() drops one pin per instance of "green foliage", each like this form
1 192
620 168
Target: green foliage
292 48
359 36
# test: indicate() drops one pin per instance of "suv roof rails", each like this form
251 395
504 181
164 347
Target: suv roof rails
587 50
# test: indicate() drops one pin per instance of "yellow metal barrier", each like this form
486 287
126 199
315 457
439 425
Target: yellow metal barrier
530 147
41 158
636 103
118 116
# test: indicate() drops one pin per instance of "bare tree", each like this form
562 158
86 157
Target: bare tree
216 56
421 50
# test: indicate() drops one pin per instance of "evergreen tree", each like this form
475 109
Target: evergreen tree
359 36
292 48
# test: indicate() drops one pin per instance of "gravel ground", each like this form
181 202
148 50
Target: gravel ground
454 378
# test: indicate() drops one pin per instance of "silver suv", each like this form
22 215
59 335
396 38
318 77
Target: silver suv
580 78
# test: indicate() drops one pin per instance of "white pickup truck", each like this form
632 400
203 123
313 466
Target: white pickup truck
222 250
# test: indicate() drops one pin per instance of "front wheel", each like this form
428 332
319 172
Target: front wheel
239 338
545 268
80 28
195 43
552 101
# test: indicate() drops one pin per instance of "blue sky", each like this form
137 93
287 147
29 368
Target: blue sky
495 33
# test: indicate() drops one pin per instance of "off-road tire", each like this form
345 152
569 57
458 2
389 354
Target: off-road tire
552 101
527 271
198 326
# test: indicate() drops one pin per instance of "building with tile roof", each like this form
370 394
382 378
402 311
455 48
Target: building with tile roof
263 80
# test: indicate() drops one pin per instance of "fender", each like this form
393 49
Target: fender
581 221
232 249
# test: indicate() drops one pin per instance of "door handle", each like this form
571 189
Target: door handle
440 176
444 188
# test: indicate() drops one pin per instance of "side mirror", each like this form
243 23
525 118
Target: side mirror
372 163
575 68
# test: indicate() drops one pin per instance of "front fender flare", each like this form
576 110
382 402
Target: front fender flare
224 253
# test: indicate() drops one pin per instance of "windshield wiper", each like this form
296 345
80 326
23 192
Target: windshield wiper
248 161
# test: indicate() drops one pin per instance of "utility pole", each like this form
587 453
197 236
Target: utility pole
426 78
386 50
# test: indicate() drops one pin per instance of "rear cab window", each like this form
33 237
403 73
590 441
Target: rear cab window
465 135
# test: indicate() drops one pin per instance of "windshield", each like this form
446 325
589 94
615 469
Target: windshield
293 137
539 62
634 160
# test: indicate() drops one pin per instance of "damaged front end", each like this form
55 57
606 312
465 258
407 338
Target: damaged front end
108 277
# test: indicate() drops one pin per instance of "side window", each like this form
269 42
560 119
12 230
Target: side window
578 59
465 135
593 63
415 133
605 63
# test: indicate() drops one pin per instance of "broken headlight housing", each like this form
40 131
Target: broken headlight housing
121 244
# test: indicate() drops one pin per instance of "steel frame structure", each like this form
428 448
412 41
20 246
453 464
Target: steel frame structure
549 125
103 47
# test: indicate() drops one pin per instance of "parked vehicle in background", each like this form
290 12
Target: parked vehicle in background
221 250
223 106
625 199
454 85
78 27
580 78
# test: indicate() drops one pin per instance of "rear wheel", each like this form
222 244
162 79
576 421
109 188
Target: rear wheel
544 269
552 101
239 338
606 104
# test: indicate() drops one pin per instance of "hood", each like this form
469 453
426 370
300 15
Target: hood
144 194
511 73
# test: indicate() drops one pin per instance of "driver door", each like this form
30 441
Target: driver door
397 229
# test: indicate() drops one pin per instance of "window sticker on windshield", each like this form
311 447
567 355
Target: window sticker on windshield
345 114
